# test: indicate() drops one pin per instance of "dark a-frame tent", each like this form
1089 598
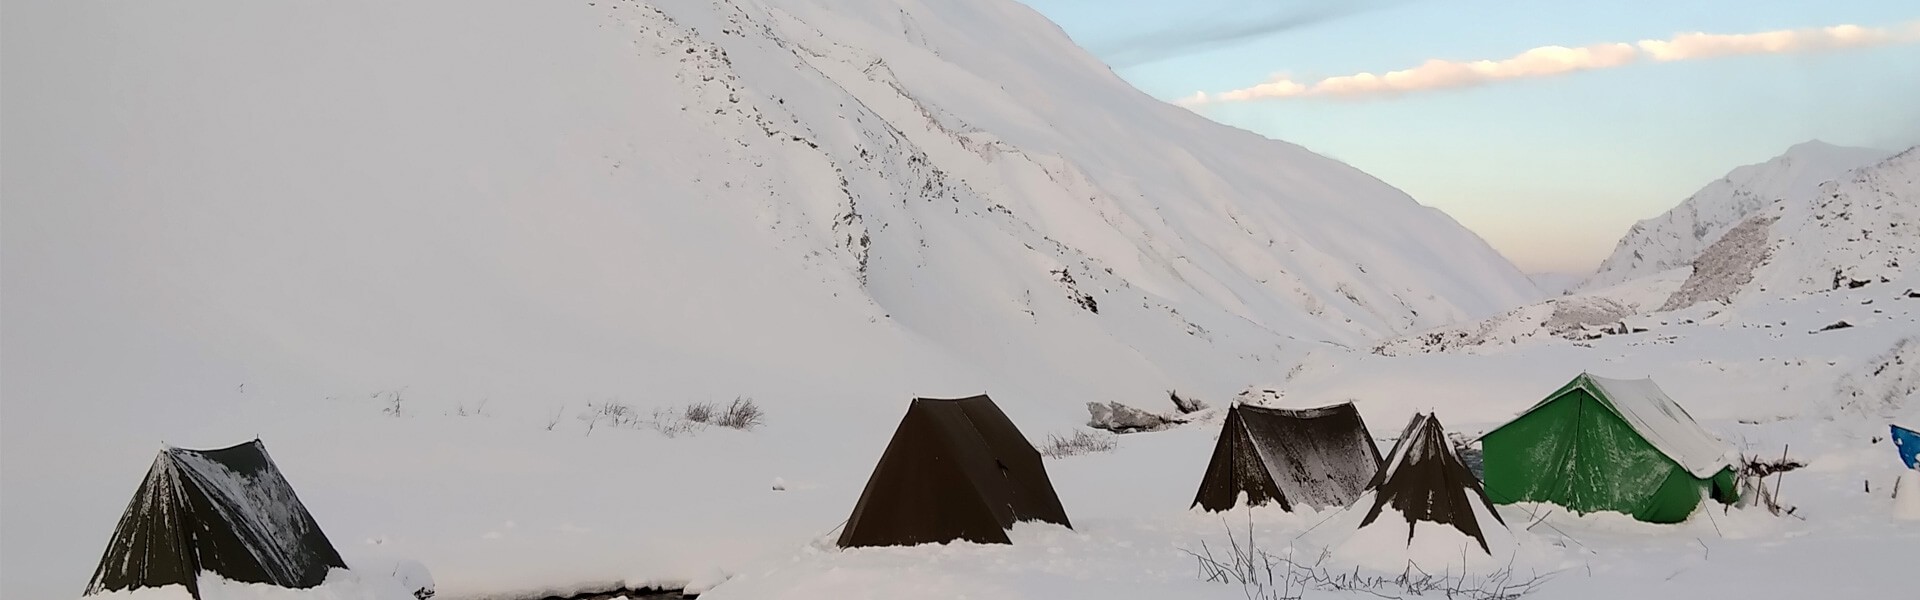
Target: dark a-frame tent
956 470
228 512
1319 457
1425 481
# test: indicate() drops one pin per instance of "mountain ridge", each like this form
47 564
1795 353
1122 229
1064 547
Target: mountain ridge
1676 236
545 196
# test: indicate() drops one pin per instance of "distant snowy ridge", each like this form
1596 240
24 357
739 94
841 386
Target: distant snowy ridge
1860 231
1555 284
1676 237
1856 232
1576 316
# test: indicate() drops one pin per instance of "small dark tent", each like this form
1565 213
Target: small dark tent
956 470
1314 457
1424 480
1609 444
227 512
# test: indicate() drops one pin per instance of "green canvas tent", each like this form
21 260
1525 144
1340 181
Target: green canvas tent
1609 444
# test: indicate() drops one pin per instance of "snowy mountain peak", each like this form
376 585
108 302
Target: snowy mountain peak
1855 235
1813 147
1851 233
1676 237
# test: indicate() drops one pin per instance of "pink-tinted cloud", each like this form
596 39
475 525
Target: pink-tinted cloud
1696 45
1549 61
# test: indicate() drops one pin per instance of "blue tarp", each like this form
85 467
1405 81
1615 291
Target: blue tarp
1907 441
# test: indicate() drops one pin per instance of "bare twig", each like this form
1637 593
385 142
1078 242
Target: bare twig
1263 575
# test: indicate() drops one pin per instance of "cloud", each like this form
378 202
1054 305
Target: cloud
1696 45
1548 61
1245 23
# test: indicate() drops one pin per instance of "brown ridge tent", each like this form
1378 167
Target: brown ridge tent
1315 457
1425 481
956 470
227 512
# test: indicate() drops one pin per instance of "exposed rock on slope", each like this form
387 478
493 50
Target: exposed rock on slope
1724 267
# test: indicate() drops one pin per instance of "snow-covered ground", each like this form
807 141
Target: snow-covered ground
459 264
1767 382
520 498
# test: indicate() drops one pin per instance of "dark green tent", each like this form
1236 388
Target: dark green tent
1609 444
956 470
228 512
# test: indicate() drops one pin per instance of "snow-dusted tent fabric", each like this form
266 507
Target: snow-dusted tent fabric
1425 481
1314 457
1609 444
227 512
957 469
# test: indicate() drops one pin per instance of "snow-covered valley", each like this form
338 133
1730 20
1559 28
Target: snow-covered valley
463 266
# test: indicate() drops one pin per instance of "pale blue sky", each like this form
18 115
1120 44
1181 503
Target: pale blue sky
1550 170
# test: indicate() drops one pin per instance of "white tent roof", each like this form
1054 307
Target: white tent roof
1655 416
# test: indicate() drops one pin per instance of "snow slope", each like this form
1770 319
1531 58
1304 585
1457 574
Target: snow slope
1675 237
1859 231
382 193
226 219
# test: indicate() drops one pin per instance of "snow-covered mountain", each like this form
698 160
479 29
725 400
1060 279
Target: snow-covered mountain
1847 234
1676 237
222 215
1861 230
374 191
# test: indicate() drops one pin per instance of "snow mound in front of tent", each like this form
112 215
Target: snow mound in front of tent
1391 544
341 584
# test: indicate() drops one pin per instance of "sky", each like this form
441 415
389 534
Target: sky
1553 154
